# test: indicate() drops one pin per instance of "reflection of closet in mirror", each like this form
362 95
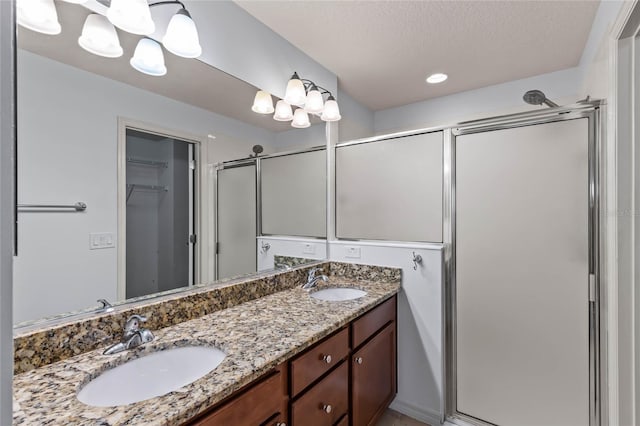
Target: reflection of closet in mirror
159 213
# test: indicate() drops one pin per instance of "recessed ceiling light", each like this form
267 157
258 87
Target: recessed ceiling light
437 78
210 136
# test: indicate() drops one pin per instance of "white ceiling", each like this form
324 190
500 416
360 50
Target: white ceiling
382 51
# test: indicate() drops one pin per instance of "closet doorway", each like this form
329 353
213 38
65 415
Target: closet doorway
157 206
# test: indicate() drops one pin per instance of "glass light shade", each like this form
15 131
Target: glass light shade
314 103
75 1
283 111
295 93
181 37
331 110
133 16
38 15
99 37
148 58
300 119
262 103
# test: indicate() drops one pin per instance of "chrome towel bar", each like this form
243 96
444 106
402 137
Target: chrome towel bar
77 207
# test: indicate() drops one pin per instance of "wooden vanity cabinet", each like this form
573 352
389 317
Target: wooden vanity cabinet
346 379
263 402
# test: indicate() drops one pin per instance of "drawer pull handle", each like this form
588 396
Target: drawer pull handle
281 424
358 360
327 359
327 408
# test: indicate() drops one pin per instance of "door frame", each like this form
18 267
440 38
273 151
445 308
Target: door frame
200 191
597 287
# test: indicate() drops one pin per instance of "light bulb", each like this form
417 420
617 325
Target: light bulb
148 58
295 93
181 37
133 16
314 103
300 119
331 110
38 15
262 104
283 111
99 37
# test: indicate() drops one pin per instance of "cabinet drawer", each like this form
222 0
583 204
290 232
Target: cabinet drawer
325 403
367 325
252 407
318 360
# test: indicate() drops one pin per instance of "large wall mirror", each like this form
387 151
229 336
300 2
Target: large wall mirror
131 185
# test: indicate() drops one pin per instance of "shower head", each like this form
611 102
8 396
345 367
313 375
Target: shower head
537 97
257 149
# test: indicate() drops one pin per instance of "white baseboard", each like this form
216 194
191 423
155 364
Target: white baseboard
426 415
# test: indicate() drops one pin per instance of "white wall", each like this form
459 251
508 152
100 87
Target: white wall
308 248
68 123
297 139
237 43
420 328
357 120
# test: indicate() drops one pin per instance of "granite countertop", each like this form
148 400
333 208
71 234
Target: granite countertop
256 336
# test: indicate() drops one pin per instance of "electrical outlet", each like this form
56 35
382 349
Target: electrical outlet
352 252
101 240
309 248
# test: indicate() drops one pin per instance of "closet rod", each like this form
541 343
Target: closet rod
77 207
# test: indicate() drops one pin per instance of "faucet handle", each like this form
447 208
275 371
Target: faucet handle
133 323
312 272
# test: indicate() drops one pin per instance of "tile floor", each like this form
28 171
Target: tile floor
393 418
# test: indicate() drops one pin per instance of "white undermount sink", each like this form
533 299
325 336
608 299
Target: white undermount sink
150 376
338 294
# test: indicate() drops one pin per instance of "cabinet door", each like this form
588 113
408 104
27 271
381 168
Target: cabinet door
373 377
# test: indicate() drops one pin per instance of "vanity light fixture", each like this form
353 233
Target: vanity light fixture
132 16
262 104
300 119
437 78
307 96
38 15
148 58
100 37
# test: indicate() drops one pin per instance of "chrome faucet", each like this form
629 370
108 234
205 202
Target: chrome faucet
312 279
132 337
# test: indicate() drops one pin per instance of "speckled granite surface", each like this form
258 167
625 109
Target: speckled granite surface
43 344
256 336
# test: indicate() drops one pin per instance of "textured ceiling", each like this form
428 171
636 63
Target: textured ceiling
382 51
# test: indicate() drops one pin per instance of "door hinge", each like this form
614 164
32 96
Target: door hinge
193 238
217 247
192 164
592 288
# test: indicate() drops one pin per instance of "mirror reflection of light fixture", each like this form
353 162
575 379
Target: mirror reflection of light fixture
331 110
283 111
148 58
181 37
300 119
295 93
99 37
38 15
306 95
134 16
262 104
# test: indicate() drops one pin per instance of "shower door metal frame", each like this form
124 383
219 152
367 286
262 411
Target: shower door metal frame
593 111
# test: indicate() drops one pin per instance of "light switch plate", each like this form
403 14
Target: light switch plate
101 240
352 252
309 248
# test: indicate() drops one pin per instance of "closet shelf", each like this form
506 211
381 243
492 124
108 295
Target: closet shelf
133 186
151 163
